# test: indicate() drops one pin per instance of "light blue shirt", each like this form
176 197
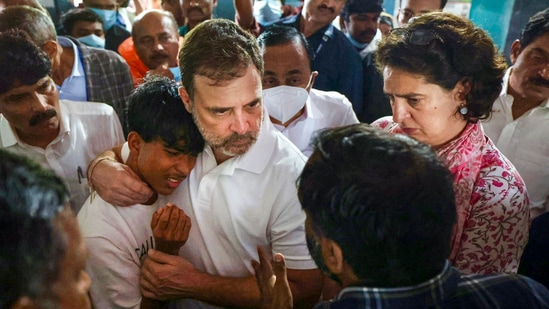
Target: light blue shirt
74 86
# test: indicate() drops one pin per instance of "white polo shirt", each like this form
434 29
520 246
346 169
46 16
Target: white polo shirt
246 201
323 109
524 142
86 130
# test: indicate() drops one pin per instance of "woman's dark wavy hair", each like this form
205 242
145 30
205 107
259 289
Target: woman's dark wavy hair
21 60
156 112
386 200
467 54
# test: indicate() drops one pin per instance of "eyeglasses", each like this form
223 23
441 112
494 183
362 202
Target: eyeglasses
420 37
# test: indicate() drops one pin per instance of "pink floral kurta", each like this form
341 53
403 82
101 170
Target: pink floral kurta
491 200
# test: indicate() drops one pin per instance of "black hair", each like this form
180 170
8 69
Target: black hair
360 7
279 35
442 3
537 26
69 19
21 61
156 112
386 200
33 246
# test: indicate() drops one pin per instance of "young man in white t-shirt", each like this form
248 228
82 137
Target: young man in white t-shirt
161 150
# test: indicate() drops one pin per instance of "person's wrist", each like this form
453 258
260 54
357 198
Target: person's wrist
92 167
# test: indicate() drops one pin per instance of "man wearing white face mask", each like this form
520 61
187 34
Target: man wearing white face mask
295 108
113 24
85 26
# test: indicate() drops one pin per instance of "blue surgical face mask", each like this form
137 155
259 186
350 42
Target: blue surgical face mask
92 40
176 73
108 17
355 42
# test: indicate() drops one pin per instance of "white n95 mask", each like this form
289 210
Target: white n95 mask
284 102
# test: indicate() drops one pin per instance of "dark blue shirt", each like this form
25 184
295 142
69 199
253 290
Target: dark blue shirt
450 289
338 64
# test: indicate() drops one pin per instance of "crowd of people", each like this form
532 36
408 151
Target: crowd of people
286 160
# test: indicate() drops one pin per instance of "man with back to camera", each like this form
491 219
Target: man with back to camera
380 212
360 19
335 59
241 192
295 107
412 8
43 255
162 147
520 120
79 72
61 135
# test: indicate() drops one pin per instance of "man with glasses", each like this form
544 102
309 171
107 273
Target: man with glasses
412 8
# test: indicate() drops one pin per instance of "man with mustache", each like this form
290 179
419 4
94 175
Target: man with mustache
520 121
79 72
335 59
153 46
241 192
61 135
359 18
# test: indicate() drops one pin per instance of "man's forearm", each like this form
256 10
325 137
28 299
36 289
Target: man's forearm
244 293
111 154
228 291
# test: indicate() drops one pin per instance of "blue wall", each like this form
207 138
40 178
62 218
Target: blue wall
494 16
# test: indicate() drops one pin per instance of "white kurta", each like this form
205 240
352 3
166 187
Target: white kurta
524 142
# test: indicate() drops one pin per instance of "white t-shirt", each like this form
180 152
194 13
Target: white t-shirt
86 130
323 109
524 142
117 238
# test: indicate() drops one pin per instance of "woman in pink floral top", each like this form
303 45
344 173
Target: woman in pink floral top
442 74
